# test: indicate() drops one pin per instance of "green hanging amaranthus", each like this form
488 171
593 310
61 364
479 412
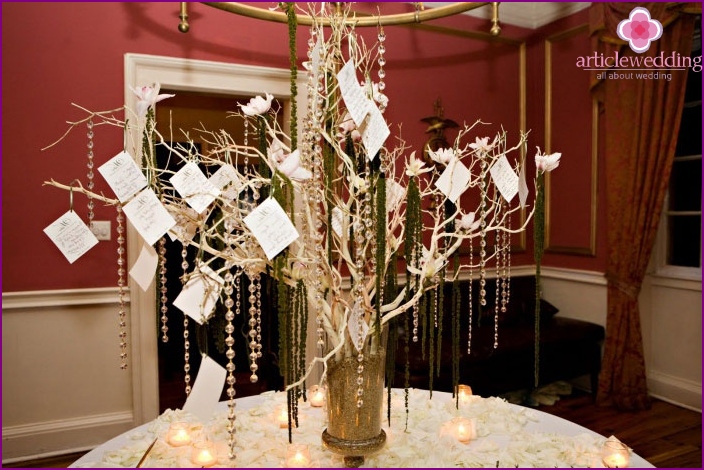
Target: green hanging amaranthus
538 248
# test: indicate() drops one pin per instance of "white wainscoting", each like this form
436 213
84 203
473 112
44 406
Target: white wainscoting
63 389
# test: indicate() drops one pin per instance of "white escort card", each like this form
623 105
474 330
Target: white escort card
186 223
224 177
522 187
271 227
394 194
374 131
337 220
357 103
199 296
504 178
453 181
71 236
357 326
194 187
206 390
149 216
123 176
145 267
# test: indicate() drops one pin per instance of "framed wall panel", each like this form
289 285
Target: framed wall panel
571 127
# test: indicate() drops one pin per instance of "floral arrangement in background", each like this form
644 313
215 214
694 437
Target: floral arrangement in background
354 229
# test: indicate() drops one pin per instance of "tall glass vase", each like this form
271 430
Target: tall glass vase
355 431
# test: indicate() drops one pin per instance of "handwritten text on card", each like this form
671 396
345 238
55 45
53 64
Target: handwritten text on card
271 227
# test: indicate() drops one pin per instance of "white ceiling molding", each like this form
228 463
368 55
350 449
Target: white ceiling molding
530 15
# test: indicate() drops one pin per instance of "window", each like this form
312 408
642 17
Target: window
683 204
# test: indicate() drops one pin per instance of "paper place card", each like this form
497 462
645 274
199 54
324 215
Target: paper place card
357 326
71 236
199 296
206 390
271 227
186 223
522 187
194 187
453 181
357 103
394 194
149 216
145 267
226 176
123 176
504 178
337 220
374 131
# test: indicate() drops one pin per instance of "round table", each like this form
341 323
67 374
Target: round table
507 436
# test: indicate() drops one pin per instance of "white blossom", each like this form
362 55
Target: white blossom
443 156
257 105
547 163
148 96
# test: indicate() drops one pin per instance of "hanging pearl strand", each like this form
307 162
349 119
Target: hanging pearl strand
90 174
254 314
498 249
163 290
230 354
470 297
186 333
482 232
122 311
382 62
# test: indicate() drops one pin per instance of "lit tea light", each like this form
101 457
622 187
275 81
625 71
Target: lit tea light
464 392
282 416
297 455
179 434
203 454
614 454
316 395
464 429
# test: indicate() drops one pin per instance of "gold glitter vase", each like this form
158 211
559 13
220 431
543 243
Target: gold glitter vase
355 431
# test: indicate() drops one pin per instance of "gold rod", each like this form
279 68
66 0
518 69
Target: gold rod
383 20
183 16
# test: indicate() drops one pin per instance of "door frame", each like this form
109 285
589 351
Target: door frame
188 75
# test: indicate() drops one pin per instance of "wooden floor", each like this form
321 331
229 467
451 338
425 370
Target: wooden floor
667 436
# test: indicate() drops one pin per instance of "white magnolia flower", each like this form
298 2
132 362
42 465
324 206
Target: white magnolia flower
547 163
468 223
290 165
443 156
257 105
276 152
148 96
415 166
482 144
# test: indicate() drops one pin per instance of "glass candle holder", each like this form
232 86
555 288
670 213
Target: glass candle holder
464 392
179 434
297 456
281 415
316 396
464 429
615 454
203 454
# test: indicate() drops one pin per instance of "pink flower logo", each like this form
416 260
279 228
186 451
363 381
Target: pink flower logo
639 30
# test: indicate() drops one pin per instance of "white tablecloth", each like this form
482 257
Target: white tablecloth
508 436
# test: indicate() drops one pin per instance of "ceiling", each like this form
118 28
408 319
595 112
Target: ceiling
530 15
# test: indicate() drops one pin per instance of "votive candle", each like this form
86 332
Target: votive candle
179 434
464 429
464 392
282 416
297 455
614 454
316 395
203 454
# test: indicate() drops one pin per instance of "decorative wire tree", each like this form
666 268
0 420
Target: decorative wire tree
333 219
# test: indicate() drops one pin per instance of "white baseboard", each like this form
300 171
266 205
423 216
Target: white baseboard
675 390
50 438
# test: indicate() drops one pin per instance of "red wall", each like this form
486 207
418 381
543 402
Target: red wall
58 53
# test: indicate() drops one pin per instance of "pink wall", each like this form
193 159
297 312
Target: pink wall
58 53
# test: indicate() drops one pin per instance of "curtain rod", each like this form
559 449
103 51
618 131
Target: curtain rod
417 16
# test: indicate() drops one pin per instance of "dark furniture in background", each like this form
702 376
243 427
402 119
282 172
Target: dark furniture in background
569 348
